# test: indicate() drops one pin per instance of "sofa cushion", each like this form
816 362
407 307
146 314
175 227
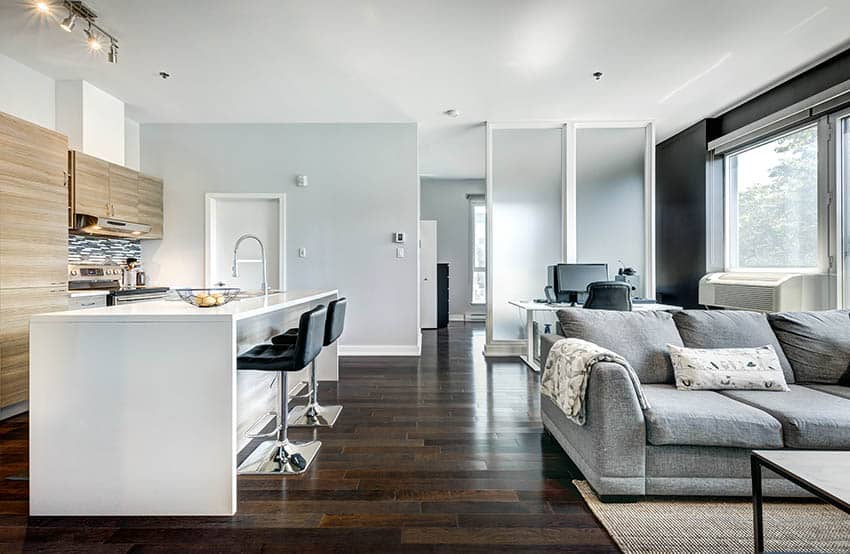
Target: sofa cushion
639 337
809 418
817 344
837 390
706 418
729 329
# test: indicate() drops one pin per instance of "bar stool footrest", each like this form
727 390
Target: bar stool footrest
326 416
265 419
265 459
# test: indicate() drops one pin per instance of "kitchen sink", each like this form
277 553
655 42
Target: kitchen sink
255 293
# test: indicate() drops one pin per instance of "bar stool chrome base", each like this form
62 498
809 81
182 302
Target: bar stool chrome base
314 415
280 458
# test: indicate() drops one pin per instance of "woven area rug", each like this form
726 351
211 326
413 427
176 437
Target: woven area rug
719 526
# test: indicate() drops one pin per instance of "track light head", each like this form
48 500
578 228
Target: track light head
43 7
112 57
69 22
92 40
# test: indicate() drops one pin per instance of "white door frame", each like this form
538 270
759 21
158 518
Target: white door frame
568 203
209 228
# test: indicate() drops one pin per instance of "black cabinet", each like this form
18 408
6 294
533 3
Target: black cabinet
442 295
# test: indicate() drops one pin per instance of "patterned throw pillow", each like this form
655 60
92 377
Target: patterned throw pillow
727 368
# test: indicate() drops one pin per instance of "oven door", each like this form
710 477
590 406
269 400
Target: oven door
116 299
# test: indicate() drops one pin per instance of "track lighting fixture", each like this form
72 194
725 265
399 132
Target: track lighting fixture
95 35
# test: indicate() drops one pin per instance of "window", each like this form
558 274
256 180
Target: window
478 250
772 212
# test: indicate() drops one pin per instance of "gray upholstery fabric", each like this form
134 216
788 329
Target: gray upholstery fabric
701 470
609 448
546 344
639 337
706 418
817 344
729 329
809 418
837 390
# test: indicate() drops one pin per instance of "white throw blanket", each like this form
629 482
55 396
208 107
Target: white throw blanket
567 371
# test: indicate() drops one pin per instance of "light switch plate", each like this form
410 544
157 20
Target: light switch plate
399 252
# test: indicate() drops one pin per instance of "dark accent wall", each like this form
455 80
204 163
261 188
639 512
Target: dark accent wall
817 79
680 192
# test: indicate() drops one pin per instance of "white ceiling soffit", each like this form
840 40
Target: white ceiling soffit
391 61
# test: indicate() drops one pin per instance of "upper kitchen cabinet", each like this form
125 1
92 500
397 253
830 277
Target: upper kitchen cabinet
103 189
90 185
124 193
150 204
33 205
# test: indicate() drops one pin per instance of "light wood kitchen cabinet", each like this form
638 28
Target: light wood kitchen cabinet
18 305
150 204
90 185
33 205
124 193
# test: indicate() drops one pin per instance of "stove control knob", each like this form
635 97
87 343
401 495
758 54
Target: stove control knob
73 272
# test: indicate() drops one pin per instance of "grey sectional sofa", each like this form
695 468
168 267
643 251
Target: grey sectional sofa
698 442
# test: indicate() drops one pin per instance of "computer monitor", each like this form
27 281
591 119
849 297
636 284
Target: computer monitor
572 279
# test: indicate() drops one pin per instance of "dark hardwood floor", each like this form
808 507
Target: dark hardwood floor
443 453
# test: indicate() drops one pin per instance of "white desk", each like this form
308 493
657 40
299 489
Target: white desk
531 307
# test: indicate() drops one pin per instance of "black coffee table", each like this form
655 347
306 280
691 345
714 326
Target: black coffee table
824 473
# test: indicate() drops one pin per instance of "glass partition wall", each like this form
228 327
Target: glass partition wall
563 192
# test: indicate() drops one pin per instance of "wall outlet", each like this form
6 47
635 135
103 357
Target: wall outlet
399 252
302 252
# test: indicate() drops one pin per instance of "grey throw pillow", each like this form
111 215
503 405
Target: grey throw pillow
729 329
639 337
727 369
817 344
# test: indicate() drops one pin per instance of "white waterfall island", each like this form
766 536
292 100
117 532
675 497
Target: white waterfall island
137 409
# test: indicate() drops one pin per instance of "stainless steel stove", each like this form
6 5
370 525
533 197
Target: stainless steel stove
108 277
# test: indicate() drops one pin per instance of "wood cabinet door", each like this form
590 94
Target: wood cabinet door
150 205
91 185
16 308
33 205
124 193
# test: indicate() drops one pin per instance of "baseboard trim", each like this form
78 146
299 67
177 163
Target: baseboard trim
379 349
505 349
457 317
14 409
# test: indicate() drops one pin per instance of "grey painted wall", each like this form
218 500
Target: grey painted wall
444 200
609 197
363 186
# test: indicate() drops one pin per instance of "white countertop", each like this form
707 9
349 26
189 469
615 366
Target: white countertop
82 293
159 310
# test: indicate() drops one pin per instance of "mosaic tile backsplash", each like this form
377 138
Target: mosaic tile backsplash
98 250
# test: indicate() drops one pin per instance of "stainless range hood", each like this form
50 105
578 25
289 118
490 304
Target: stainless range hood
109 227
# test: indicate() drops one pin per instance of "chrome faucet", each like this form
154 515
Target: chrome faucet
235 267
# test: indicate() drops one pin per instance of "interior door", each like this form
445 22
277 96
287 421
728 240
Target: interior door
428 273
124 193
91 185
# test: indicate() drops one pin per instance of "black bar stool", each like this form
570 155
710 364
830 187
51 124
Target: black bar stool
282 457
314 414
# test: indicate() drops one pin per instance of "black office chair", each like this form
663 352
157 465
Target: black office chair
280 456
609 295
314 414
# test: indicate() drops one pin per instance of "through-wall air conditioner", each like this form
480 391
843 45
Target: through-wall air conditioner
765 292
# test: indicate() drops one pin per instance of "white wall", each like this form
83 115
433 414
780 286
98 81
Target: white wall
92 119
609 198
445 201
26 93
132 146
363 186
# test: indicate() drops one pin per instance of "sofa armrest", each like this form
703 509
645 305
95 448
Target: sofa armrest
546 344
610 448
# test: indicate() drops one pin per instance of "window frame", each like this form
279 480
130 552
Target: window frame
730 207
474 201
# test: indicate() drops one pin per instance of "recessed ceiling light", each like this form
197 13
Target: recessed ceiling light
164 74
597 75
451 112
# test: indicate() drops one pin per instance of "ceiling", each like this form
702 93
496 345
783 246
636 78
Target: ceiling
673 61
